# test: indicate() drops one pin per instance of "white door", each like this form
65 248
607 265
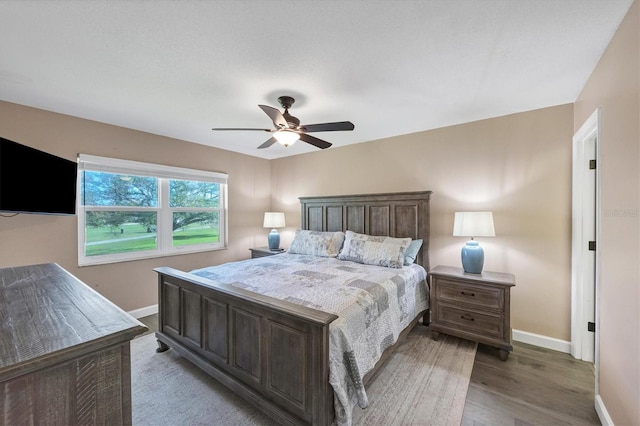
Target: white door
589 252
584 241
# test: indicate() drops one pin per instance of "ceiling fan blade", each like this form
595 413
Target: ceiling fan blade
314 141
275 116
240 128
328 127
268 143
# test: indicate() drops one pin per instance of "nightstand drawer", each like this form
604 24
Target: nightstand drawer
257 254
485 324
264 251
480 295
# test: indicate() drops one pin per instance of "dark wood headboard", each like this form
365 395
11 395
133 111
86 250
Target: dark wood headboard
396 214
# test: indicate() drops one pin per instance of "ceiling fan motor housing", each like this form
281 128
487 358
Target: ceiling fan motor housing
293 122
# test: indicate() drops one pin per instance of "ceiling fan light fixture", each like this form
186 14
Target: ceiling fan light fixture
286 137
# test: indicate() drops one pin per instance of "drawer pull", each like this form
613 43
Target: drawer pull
464 293
467 317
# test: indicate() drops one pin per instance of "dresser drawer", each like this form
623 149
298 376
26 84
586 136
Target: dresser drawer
481 323
480 295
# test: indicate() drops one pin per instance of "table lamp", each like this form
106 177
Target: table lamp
473 224
273 220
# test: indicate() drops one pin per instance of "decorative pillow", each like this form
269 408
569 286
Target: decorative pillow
317 243
412 252
371 250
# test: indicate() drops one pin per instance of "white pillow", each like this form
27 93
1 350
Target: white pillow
317 243
372 250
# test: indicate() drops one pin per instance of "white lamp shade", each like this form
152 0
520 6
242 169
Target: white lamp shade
473 224
273 220
286 137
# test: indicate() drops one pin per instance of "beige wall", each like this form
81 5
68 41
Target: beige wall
30 239
613 86
518 166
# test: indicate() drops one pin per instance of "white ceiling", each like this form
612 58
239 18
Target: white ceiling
179 68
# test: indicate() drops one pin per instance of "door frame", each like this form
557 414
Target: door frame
589 130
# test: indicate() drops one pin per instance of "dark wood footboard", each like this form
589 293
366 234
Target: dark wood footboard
273 353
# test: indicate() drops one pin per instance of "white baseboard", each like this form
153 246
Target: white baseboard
144 312
542 341
603 414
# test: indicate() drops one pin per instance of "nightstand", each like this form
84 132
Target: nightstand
264 251
472 306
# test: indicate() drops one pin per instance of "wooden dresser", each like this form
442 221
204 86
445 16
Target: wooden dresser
64 350
472 306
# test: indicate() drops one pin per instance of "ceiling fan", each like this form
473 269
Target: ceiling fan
288 129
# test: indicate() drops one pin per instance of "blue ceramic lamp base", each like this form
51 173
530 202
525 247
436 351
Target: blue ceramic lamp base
274 240
472 257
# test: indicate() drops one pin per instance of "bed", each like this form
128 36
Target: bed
276 349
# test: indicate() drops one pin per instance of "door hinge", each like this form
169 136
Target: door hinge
592 164
591 326
592 246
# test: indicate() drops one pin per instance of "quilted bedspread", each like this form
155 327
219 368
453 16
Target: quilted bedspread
374 305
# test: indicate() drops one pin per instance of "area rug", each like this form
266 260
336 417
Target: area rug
425 382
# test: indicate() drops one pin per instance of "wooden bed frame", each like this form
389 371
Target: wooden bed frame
273 353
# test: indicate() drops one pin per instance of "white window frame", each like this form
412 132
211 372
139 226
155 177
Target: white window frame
164 174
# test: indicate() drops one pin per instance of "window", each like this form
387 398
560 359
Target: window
129 210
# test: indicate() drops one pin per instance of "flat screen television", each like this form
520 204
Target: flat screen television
34 181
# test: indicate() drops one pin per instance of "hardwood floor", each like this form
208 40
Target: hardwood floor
535 386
